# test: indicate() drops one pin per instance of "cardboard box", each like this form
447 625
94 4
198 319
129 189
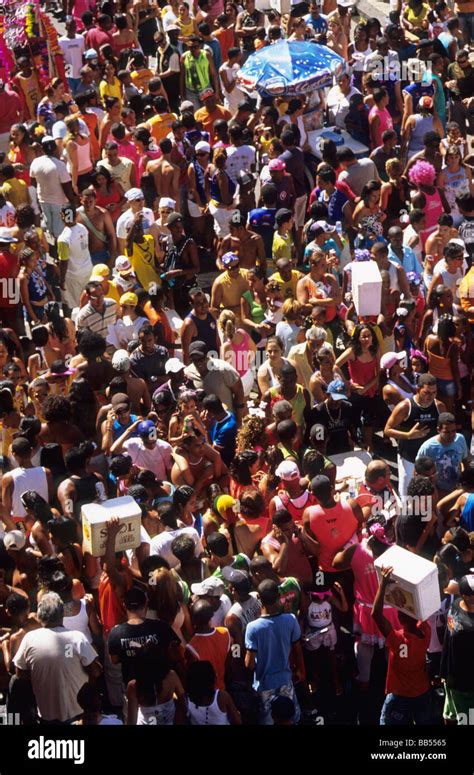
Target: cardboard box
95 516
366 288
415 588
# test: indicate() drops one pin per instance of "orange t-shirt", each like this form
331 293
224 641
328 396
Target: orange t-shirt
208 119
91 121
160 125
212 647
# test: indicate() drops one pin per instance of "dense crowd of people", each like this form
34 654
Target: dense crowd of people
184 320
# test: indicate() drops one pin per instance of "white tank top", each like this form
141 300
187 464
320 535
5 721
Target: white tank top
403 393
156 715
79 622
27 479
207 715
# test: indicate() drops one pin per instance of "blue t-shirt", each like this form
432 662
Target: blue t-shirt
271 637
262 222
447 459
319 25
417 90
336 202
410 262
223 435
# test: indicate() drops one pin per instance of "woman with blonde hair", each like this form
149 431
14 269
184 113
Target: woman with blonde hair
238 348
394 195
337 38
220 191
78 152
167 602
251 434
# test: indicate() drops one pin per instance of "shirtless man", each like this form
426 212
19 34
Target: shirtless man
437 241
165 173
245 243
102 239
137 389
308 290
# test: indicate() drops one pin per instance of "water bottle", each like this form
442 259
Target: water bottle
339 227
352 486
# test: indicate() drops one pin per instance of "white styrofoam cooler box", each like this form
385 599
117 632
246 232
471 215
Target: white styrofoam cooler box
94 519
366 288
416 588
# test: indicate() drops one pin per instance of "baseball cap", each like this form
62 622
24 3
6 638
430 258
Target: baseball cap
229 258
173 366
276 164
224 502
173 28
203 146
233 575
337 390
413 278
146 428
122 264
389 359
282 215
134 195
129 298
197 349
91 53
466 584
48 139
14 540
174 218
121 360
211 586
135 599
120 400
5 235
100 271
326 227
288 471
236 218
186 105
165 201
425 102
208 92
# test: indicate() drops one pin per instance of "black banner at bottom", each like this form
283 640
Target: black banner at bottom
79 749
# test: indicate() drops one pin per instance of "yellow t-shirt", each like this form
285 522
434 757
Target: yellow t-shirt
232 290
16 192
288 288
160 125
282 246
141 78
111 90
142 260
416 19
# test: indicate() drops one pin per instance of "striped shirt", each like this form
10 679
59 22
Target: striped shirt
98 322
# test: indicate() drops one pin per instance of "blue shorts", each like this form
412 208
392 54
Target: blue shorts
100 257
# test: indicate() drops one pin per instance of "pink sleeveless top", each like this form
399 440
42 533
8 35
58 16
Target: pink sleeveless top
433 210
365 589
362 373
241 354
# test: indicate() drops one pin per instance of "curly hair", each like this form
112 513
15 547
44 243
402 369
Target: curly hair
251 433
422 174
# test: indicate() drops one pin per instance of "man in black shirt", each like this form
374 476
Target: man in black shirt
335 414
461 86
294 161
457 665
128 641
148 361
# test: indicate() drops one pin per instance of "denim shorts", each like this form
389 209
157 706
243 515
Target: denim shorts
447 387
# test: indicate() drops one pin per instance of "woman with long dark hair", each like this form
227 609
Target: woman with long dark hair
206 704
443 356
243 468
362 357
109 193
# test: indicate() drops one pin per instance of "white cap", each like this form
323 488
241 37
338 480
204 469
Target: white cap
202 146
133 194
122 264
165 201
173 365
14 540
288 471
211 586
121 360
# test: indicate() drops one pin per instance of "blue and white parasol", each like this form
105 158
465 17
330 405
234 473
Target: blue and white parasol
290 68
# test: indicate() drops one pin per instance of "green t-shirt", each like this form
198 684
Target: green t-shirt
290 595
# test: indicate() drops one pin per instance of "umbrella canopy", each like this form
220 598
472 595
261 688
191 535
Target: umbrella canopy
290 68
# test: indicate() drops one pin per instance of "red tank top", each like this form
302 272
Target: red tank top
332 528
362 373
